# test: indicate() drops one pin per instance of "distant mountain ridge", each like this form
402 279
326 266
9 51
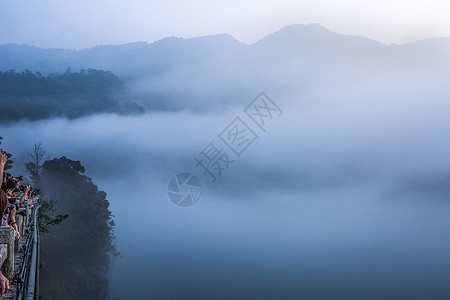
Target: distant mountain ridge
311 39
22 57
214 71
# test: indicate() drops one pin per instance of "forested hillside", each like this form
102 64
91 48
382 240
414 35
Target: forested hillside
75 255
28 95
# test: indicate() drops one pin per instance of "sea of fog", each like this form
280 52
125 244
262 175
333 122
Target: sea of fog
345 199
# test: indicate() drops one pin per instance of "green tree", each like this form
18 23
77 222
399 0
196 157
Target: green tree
46 217
76 254
34 166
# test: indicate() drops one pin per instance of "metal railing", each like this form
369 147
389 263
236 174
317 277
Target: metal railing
28 277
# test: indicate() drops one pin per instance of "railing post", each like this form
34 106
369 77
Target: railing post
32 287
7 238
18 242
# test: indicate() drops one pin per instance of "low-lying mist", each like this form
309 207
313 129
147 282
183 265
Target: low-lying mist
346 195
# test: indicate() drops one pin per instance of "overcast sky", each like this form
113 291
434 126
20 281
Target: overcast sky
86 23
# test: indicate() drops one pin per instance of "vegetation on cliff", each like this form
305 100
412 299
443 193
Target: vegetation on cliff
75 255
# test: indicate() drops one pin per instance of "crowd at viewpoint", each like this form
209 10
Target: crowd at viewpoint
15 198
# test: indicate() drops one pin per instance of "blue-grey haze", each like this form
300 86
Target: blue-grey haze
346 196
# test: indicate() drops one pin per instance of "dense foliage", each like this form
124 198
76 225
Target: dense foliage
75 254
46 217
28 95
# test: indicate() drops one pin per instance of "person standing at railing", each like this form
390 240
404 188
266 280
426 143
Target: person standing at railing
4 282
3 160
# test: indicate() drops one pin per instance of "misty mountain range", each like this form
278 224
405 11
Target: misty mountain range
217 71
345 196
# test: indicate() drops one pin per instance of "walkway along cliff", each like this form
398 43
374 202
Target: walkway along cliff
19 259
